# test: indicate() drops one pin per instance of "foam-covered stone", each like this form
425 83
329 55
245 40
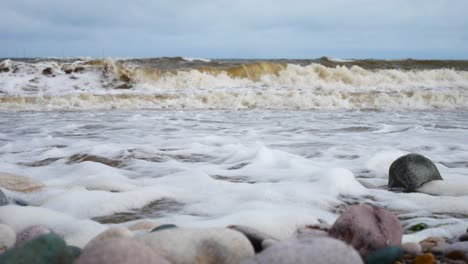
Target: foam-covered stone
19 183
411 171
191 245
46 249
318 250
31 232
119 251
7 237
368 228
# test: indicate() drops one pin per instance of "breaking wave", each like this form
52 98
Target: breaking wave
176 83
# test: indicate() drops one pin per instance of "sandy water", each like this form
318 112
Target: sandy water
274 170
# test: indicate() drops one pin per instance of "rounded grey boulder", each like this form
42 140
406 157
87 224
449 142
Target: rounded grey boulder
318 250
411 171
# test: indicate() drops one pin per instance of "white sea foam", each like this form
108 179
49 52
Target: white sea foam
294 87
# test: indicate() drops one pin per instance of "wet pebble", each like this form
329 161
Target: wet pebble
463 237
387 255
255 237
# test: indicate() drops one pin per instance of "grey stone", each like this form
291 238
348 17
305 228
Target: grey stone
411 171
119 251
368 228
191 245
317 250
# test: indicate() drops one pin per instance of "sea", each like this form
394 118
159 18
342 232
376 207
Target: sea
271 144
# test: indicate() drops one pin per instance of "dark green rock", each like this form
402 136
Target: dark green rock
75 251
162 227
3 199
418 227
46 249
387 255
411 171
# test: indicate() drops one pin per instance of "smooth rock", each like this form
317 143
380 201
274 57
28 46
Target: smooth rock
46 249
190 245
426 258
411 172
318 250
143 225
7 237
463 237
387 255
75 251
119 251
19 183
255 237
47 71
113 232
3 198
412 248
367 228
30 233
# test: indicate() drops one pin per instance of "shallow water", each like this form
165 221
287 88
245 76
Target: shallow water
271 169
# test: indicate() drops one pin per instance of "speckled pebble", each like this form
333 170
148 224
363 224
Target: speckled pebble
7 237
31 233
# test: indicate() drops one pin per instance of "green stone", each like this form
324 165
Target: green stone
387 255
46 249
418 227
162 227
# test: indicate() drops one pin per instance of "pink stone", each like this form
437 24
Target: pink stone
368 228
30 233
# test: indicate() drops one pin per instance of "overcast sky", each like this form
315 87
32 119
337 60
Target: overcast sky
235 28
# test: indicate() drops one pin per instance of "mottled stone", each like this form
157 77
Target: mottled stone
31 233
19 183
119 251
255 237
46 249
7 237
3 198
113 232
143 225
411 172
368 228
426 258
386 255
317 250
190 245
412 248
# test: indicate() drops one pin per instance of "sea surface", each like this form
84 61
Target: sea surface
272 144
